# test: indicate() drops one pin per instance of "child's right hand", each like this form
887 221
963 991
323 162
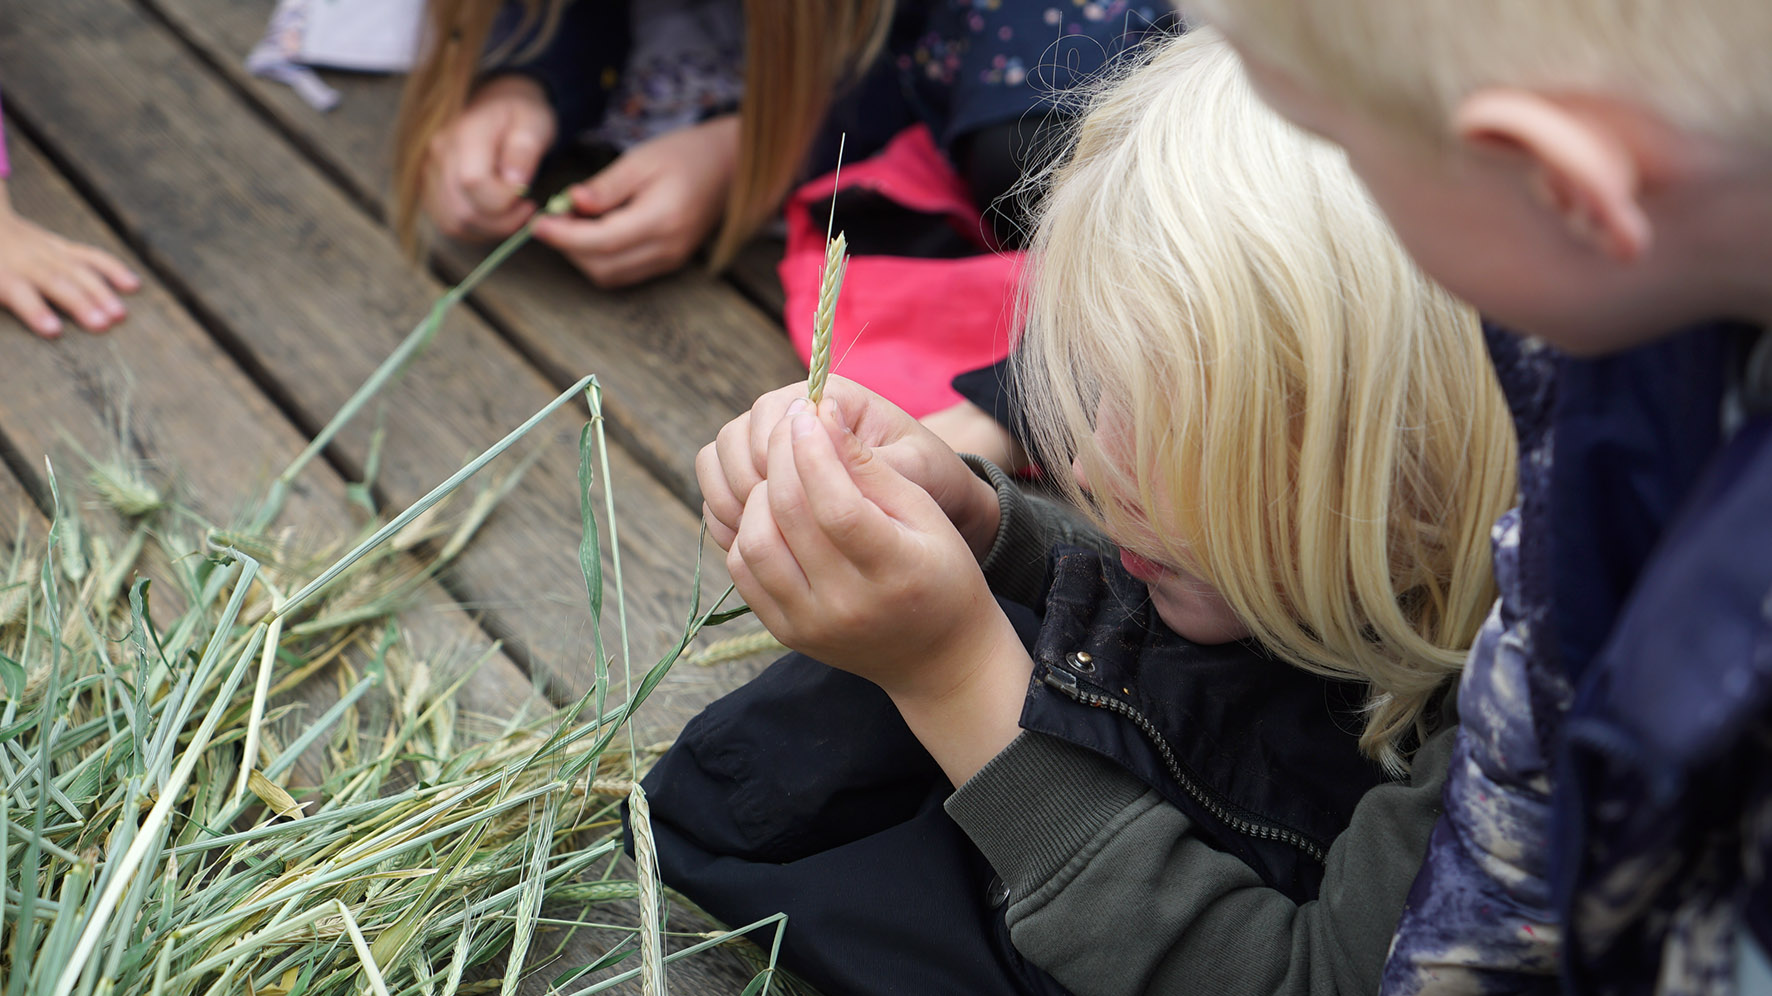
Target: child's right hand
738 460
480 167
40 271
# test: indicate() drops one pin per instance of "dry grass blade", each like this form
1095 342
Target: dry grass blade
131 862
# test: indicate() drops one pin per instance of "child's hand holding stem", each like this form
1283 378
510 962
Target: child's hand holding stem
40 271
737 461
849 561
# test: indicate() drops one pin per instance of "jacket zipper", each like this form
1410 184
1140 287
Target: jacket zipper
1068 684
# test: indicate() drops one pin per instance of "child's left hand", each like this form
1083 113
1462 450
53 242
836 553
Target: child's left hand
41 271
849 562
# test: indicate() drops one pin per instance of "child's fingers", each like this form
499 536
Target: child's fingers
605 235
799 524
24 301
729 482
765 554
902 501
476 165
846 516
114 270
718 531
719 500
628 267
519 154
83 296
612 186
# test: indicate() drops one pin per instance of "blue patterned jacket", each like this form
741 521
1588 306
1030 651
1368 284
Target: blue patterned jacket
1610 448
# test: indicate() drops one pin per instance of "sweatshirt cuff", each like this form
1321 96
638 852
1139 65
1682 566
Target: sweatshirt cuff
1037 804
1015 565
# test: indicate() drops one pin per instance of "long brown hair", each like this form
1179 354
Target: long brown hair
437 89
797 54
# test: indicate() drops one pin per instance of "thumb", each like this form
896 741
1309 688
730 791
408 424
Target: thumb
873 475
613 186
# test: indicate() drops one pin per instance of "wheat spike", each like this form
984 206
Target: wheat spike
830 284
738 648
646 876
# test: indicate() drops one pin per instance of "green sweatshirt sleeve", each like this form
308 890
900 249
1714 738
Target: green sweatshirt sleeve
1028 527
1112 893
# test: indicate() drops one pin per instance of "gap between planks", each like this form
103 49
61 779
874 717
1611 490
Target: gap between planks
680 355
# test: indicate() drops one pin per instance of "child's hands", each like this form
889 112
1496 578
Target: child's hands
646 213
479 168
41 271
848 561
736 462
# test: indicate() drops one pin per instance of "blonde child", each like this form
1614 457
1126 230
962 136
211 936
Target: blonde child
1207 763
1596 174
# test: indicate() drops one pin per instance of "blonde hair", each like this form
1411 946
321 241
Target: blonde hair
798 53
1313 422
1702 64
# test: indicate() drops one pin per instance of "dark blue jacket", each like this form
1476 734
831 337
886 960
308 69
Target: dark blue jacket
1663 816
1610 450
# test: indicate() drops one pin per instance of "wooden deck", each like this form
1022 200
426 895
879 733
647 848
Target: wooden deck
274 287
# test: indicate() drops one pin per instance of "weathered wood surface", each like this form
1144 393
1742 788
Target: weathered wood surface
678 356
154 393
18 510
311 294
754 273
157 389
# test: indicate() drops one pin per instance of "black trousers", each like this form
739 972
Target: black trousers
804 792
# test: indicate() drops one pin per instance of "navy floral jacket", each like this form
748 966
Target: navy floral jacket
1606 813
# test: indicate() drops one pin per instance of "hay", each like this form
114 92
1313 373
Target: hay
155 837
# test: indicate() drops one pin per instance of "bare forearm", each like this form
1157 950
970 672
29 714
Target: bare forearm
969 722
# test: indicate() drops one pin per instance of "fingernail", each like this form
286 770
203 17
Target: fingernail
804 425
797 406
97 318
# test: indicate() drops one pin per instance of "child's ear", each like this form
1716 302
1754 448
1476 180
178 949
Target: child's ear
1582 169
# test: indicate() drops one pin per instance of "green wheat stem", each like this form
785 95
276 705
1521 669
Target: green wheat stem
416 340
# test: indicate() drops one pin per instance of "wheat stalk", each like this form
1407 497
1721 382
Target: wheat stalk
646 863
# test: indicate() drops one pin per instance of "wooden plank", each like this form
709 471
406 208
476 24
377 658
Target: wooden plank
754 272
159 388
17 510
312 295
678 356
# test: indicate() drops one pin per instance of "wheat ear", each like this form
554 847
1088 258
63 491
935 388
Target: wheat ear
646 866
830 284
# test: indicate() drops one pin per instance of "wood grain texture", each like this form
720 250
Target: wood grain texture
679 356
754 272
311 294
307 293
19 514
160 395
